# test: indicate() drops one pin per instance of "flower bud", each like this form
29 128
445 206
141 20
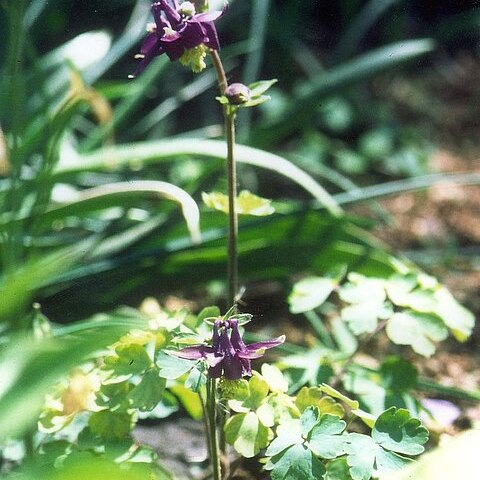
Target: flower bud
237 93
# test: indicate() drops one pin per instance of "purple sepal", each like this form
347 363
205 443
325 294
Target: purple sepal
188 32
228 356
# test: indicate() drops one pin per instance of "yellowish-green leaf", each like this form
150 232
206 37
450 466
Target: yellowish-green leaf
247 434
314 396
246 203
340 396
274 377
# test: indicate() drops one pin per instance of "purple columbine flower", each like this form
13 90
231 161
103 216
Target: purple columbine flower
178 30
228 356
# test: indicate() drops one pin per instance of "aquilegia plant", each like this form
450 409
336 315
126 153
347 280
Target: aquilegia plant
308 431
183 34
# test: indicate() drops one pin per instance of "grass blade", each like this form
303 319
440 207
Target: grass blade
361 68
167 150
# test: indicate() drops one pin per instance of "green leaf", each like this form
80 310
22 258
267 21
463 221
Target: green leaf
456 459
131 359
255 101
252 397
310 293
456 317
110 424
266 414
308 419
196 379
29 369
419 330
172 367
338 469
283 406
361 452
398 375
360 288
258 390
19 285
116 394
247 203
296 463
363 317
246 434
397 431
190 400
85 466
274 378
149 152
364 66
208 312
314 396
423 294
389 461
340 396
87 440
260 87
325 439
399 287
290 435
147 394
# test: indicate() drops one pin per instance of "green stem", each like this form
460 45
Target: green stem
206 424
212 420
232 211
229 116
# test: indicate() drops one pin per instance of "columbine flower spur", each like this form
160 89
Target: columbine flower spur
181 33
228 356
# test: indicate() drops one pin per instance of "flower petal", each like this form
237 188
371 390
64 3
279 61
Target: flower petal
208 16
157 15
212 35
174 49
256 350
195 352
194 34
213 359
170 12
236 339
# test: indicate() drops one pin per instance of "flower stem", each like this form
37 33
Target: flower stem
206 423
232 211
229 116
212 416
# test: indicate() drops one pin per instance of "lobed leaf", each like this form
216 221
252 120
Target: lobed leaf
111 425
313 396
147 394
310 293
296 463
419 330
397 431
325 438
246 434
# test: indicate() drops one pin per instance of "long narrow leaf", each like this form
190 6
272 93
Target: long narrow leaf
363 67
166 190
167 150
